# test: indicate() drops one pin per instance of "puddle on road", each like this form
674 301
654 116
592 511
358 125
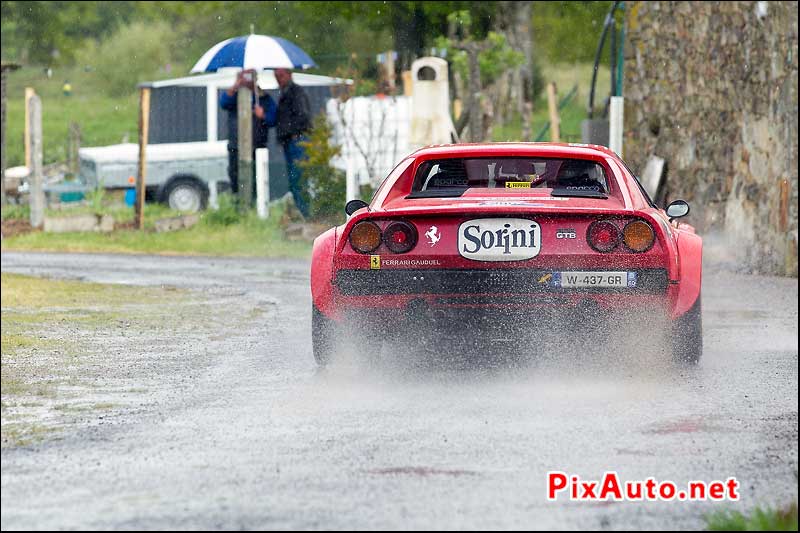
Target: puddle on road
420 471
688 425
738 314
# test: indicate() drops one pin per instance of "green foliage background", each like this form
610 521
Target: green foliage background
332 32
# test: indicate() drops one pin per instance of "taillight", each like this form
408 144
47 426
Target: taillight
400 237
365 237
603 236
638 236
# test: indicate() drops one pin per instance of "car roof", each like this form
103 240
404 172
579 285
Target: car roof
543 149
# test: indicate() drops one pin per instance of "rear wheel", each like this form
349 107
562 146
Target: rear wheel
351 337
687 335
323 336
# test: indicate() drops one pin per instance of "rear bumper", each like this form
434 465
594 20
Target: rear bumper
399 292
484 282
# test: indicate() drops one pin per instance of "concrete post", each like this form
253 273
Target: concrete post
262 183
615 124
37 199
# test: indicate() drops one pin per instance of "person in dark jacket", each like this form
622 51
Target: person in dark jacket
293 122
264 117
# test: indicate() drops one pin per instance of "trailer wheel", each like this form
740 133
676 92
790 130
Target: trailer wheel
185 194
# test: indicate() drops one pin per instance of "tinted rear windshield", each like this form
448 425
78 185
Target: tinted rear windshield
510 173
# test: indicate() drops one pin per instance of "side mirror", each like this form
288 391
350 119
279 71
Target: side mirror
677 209
354 205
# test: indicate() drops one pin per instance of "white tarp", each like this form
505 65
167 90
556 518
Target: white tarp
373 132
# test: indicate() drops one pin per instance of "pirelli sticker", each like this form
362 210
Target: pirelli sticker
518 185
375 262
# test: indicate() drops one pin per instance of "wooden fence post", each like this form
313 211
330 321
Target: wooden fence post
4 69
74 144
552 105
144 123
244 115
36 178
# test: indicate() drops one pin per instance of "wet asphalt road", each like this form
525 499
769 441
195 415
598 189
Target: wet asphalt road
260 439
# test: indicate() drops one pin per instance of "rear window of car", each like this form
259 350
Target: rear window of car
510 173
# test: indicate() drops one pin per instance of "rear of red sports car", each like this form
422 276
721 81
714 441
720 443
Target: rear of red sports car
485 241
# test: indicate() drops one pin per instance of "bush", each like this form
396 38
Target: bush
134 53
227 214
325 187
761 519
16 212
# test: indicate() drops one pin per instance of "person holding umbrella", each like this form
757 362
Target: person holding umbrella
293 122
264 117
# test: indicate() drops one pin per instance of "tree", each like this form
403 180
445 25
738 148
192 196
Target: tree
48 33
481 62
514 21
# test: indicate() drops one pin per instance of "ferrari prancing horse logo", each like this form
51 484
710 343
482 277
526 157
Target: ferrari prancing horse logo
375 262
433 235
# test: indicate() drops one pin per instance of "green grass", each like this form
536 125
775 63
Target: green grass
24 433
250 236
36 294
39 363
16 212
122 213
761 519
103 120
565 76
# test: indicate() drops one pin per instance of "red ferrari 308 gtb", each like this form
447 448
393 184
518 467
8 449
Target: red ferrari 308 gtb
467 240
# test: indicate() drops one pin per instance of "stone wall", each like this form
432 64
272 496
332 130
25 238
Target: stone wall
712 88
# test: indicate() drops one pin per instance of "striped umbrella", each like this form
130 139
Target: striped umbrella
254 52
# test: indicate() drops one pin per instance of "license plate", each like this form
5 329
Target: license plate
611 280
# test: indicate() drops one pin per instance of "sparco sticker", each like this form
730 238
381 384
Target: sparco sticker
499 239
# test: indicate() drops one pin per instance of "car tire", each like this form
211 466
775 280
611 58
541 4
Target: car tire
323 336
186 195
687 335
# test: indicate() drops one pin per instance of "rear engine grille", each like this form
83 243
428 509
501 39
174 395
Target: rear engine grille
516 281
